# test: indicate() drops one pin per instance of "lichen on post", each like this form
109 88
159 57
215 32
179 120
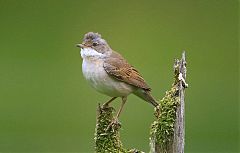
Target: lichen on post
167 131
107 138
107 135
162 129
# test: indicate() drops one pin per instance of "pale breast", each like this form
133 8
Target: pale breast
95 74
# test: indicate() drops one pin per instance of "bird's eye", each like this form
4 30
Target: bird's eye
95 44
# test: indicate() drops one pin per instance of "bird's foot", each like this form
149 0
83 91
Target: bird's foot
114 125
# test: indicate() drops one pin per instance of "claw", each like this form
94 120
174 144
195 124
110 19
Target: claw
114 125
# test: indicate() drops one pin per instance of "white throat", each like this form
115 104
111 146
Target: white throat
90 53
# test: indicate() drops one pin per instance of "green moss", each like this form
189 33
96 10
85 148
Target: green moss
107 137
162 130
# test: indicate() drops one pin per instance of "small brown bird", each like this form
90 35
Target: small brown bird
109 73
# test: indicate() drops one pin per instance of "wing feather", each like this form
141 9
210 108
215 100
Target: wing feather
117 67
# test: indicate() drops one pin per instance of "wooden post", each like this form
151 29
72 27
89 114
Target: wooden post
168 130
179 127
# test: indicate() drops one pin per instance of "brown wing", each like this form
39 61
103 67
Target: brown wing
117 67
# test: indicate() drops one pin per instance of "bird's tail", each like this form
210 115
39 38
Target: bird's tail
146 95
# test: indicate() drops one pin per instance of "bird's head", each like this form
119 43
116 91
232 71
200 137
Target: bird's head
94 45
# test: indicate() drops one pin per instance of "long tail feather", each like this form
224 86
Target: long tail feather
146 95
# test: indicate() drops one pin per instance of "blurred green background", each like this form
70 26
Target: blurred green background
47 106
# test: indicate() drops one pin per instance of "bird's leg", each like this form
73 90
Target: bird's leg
114 124
108 102
124 99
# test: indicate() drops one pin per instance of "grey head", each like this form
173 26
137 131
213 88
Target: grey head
96 42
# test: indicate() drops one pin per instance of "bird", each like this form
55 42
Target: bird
108 72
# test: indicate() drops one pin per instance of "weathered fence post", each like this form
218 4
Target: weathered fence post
168 131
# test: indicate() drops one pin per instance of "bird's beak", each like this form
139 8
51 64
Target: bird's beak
80 45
